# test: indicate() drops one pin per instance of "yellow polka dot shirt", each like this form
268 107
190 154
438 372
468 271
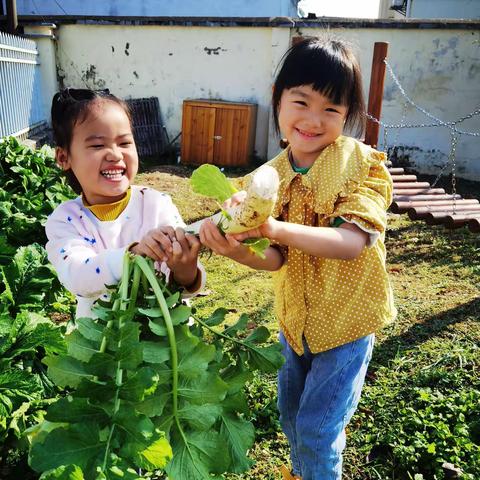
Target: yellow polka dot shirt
333 302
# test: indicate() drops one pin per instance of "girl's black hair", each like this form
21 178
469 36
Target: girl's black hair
331 68
71 106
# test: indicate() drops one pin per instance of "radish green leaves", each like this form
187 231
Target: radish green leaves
152 391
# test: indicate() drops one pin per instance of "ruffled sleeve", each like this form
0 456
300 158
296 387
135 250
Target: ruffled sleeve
367 204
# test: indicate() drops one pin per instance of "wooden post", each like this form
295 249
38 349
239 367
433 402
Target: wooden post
375 96
12 20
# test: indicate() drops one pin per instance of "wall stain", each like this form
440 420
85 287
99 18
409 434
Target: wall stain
452 44
215 51
170 113
473 71
390 93
89 77
429 161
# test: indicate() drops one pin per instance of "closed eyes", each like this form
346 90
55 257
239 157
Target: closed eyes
304 104
101 145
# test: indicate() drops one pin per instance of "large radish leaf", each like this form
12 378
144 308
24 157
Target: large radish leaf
67 371
70 409
197 455
208 180
78 444
238 435
65 472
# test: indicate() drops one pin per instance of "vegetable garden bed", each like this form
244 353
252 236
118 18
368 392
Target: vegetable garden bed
420 407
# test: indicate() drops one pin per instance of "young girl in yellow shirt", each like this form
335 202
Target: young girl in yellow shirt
328 255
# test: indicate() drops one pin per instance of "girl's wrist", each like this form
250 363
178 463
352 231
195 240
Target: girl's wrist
194 285
187 276
275 230
241 254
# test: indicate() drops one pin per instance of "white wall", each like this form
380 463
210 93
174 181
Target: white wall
43 35
438 67
440 71
174 64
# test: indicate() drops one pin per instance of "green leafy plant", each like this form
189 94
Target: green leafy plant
435 428
29 282
417 420
25 389
262 401
146 381
31 186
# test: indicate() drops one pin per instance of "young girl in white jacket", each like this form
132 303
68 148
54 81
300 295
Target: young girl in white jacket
88 236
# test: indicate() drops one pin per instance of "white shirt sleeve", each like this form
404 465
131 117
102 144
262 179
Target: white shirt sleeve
81 268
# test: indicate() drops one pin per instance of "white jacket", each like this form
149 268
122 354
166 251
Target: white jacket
87 253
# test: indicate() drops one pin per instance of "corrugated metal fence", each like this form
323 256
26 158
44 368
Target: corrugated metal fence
21 101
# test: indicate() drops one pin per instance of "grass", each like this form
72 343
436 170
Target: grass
421 401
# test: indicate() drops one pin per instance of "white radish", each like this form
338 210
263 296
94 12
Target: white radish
261 195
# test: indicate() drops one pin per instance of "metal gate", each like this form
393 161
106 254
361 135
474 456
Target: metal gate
21 101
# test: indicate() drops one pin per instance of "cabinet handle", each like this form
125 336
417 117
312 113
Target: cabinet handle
217 137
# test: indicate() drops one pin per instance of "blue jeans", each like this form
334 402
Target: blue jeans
317 396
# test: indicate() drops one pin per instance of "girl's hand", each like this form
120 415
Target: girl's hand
156 244
230 247
211 237
235 199
183 259
265 230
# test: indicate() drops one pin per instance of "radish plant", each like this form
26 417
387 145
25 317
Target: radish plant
257 206
149 391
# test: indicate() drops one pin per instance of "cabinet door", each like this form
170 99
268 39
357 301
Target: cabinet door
230 137
197 134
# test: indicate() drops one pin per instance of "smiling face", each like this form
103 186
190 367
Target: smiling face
102 153
310 121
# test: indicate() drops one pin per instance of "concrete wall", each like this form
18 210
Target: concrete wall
438 67
43 35
439 70
152 8
445 9
174 64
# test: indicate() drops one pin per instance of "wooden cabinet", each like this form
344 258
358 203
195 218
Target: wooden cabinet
222 133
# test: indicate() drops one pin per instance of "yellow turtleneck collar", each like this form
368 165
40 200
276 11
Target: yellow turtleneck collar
108 211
